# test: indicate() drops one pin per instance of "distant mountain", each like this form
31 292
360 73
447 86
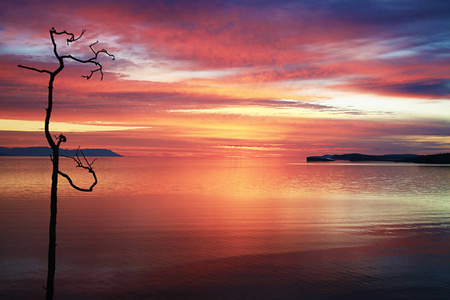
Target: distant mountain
46 151
318 159
442 158
364 157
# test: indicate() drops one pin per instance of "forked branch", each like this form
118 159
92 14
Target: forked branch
93 60
72 36
84 164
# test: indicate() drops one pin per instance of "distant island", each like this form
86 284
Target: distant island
442 158
46 151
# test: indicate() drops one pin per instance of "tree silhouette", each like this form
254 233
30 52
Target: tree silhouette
55 142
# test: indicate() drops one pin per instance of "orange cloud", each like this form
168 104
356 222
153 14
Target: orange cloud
216 78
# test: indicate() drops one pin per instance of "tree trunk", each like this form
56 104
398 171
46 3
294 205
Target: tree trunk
54 145
52 229
53 198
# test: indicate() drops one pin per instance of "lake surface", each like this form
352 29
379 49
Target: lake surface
172 228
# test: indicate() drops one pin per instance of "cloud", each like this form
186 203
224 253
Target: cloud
238 73
30 126
429 88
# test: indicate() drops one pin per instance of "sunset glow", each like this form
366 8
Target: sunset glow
232 78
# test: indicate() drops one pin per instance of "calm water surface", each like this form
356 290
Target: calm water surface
229 229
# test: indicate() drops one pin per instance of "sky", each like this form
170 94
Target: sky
232 78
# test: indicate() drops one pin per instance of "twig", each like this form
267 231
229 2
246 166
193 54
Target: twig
34 69
72 36
80 164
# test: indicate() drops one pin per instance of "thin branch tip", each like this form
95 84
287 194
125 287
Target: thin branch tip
34 69
84 164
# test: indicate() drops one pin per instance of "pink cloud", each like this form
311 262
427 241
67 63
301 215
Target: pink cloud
263 46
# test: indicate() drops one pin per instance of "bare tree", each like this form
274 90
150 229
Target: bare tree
55 142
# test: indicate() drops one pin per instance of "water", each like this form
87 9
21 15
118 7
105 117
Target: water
228 229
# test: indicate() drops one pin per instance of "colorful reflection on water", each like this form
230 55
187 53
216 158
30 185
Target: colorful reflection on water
229 229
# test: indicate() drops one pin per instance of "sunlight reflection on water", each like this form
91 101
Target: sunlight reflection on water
233 229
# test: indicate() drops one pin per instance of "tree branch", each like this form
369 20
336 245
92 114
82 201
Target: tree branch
81 164
72 36
92 60
34 69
